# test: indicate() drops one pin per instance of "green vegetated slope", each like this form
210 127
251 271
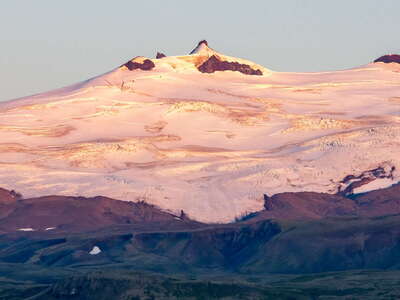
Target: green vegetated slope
243 259
262 247
110 283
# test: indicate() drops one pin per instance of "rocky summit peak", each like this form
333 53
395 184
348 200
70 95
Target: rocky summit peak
202 48
203 42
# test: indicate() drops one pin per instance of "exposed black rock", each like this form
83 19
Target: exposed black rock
183 216
214 64
390 58
146 65
350 182
160 55
203 42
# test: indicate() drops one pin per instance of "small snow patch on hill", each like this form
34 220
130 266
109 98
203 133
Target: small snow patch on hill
26 229
96 250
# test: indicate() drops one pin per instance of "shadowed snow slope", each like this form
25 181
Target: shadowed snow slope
210 144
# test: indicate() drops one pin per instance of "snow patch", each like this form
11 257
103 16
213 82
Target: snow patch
377 184
26 229
96 250
50 228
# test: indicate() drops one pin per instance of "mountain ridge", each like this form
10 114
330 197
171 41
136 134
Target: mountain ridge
50 214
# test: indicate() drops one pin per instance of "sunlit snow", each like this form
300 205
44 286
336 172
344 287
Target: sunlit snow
208 144
379 183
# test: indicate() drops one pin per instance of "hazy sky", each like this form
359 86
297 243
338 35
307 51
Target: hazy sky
46 44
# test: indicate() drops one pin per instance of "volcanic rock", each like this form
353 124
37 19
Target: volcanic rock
146 65
390 58
350 183
160 55
214 64
201 45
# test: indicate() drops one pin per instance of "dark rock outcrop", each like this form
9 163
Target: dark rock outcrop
146 65
203 42
390 58
198 45
160 55
214 64
351 182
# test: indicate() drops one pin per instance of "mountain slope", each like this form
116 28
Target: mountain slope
199 133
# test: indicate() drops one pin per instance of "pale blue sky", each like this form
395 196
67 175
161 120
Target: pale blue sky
46 44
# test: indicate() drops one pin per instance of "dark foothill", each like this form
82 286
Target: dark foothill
80 214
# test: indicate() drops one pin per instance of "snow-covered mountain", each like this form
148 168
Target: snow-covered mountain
205 133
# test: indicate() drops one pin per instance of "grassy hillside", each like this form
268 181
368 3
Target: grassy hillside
124 284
